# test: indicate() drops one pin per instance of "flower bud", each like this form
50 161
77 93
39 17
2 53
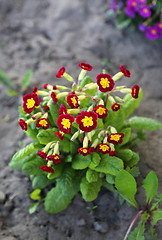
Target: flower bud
45 115
46 98
95 143
125 90
47 147
119 87
101 134
90 86
62 95
74 86
85 141
117 76
82 74
59 87
75 135
68 77
80 98
111 99
118 99
36 116
113 130
56 148
73 111
90 108
101 102
43 93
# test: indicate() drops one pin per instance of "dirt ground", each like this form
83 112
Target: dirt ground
43 36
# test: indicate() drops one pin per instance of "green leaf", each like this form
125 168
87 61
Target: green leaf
85 81
91 176
130 103
138 232
110 178
33 167
108 164
46 136
126 185
33 207
125 154
74 147
134 160
115 119
54 111
19 164
150 184
95 160
80 161
35 195
32 132
123 24
127 134
156 215
18 156
100 123
143 123
60 196
26 80
90 190
65 144
11 92
5 80
41 181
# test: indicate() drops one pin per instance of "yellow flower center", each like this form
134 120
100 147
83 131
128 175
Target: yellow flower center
115 137
134 4
43 122
74 101
66 123
56 157
105 82
153 31
104 148
84 150
100 110
146 10
87 121
30 103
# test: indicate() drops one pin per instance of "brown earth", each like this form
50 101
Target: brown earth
43 36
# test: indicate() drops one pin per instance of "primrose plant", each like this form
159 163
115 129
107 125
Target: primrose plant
81 138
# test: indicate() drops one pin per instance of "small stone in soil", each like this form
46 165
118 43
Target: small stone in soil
2 197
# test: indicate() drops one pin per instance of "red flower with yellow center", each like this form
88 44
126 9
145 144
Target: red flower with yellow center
115 138
60 72
45 86
30 102
42 122
23 124
60 135
115 107
54 158
101 111
84 151
103 148
112 153
64 122
85 66
35 90
135 91
47 168
54 97
87 121
125 71
42 154
105 82
72 100
62 109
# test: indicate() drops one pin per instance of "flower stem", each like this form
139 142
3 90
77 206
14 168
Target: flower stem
132 223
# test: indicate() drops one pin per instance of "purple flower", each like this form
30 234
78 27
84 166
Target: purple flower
130 12
158 26
152 33
142 1
132 4
113 5
145 11
142 27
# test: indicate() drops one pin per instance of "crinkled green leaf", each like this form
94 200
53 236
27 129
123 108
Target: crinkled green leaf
90 190
95 160
32 132
127 134
143 123
150 184
54 111
125 154
91 176
33 167
115 119
126 185
110 178
111 165
19 164
134 160
41 181
35 195
48 135
130 103
156 215
80 161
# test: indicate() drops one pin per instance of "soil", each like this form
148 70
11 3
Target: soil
43 36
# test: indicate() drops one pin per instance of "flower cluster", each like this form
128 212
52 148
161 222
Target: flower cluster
143 13
38 107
